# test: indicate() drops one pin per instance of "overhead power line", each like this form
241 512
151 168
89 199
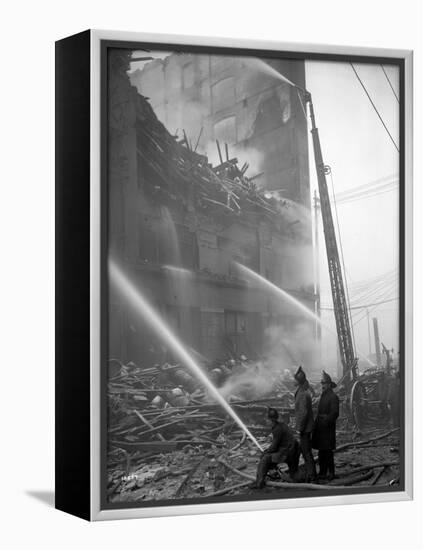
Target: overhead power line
374 107
364 305
368 190
376 295
366 282
366 195
370 184
382 291
375 292
364 315
390 83
352 193
381 295
386 296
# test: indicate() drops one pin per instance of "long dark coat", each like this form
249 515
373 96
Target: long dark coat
303 409
324 433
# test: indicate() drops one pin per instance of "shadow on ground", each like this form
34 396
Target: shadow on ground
46 497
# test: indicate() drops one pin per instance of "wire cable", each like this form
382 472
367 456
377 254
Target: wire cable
379 293
390 83
365 305
367 193
365 283
374 107
351 193
373 286
365 196
373 295
363 316
370 185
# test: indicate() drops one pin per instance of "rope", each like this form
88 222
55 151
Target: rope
374 107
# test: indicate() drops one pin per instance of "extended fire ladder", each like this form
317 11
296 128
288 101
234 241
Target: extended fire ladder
340 302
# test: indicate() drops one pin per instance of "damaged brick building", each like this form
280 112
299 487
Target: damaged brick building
180 221
236 101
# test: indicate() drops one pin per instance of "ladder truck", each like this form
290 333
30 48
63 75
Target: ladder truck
365 397
339 297
363 391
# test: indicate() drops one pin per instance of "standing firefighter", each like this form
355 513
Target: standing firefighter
324 433
304 421
284 448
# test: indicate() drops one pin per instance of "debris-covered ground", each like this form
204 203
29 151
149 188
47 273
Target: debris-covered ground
166 441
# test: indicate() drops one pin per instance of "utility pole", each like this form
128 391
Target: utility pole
368 331
377 343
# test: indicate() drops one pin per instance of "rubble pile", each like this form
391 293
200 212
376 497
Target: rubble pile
228 468
164 406
167 439
185 177
162 409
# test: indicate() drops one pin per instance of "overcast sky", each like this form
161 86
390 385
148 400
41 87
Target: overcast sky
359 151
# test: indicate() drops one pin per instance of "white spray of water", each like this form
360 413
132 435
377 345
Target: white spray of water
290 299
172 233
281 293
131 293
264 67
178 270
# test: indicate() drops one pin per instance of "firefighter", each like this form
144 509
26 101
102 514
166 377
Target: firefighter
324 432
304 421
284 448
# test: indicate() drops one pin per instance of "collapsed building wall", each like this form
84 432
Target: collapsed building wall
236 101
180 225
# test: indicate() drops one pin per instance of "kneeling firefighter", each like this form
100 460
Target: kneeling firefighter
284 448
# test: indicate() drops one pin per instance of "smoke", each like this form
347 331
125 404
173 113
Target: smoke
248 155
297 268
292 345
189 116
192 113
250 381
254 158
286 349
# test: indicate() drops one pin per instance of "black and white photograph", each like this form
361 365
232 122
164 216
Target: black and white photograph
211 282
253 268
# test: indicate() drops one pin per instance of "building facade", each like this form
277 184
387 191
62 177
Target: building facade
239 101
181 226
